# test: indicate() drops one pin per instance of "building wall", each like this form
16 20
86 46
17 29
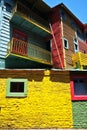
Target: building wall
82 46
79 107
33 38
57 46
4 32
80 114
69 34
47 105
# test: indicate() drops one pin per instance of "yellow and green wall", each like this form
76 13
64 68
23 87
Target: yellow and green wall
48 102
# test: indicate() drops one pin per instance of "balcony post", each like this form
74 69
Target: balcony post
80 61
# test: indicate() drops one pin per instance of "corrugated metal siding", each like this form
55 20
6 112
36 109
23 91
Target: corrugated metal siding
4 32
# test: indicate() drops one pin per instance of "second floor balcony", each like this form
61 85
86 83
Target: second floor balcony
19 48
24 17
79 60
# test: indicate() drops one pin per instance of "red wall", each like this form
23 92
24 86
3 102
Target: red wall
57 50
82 46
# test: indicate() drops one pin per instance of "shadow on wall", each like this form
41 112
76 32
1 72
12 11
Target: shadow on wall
36 75
60 76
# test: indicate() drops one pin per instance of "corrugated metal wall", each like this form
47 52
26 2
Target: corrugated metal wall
4 33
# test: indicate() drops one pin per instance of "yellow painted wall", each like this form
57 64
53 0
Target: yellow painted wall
47 105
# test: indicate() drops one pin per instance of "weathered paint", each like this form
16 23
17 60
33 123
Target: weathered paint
57 46
2 63
47 105
79 104
4 30
79 60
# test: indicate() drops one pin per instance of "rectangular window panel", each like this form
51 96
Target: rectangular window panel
16 88
66 46
76 45
79 88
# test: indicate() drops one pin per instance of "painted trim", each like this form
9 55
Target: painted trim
76 43
29 58
31 21
67 43
73 96
15 94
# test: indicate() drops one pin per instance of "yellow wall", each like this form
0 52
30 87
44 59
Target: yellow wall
47 105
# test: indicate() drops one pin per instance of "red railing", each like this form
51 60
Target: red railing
22 48
19 47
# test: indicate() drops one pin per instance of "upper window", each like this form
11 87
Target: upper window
76 45
80 35
66 46
73 24
62 14
86 35
16 88
79 88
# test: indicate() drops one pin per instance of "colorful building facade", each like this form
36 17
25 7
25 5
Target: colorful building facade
43 77
69 45
43 99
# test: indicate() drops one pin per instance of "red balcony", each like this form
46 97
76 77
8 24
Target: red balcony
19 48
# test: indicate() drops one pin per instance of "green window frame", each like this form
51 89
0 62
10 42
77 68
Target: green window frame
14 84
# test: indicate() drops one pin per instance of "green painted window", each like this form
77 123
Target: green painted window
16 87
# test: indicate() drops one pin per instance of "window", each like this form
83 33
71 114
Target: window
73 24
86 35
80 35
66 46
62 15
79 88
16 88
76 45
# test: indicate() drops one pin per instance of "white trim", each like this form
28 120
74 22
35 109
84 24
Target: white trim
76 43
65 46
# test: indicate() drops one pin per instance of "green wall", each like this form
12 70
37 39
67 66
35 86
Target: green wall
79 114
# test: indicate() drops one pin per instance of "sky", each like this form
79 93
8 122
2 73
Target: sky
77 7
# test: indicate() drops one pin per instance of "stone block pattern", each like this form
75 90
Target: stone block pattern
80 114
47 105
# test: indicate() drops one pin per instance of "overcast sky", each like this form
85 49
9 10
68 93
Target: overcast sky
77 7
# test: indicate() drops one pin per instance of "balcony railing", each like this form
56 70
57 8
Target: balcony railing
79 60
24 10
19 47
37 52
31 52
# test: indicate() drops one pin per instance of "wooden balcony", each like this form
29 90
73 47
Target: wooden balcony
19 48
24 17
79 60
